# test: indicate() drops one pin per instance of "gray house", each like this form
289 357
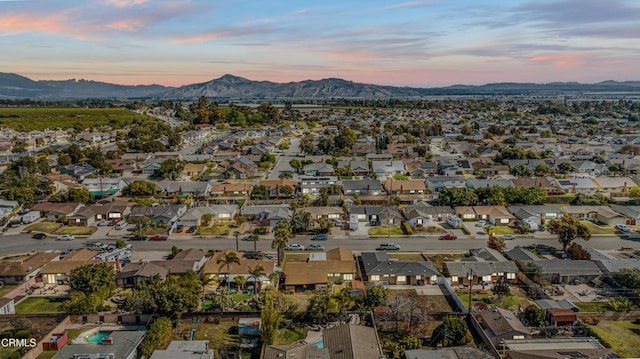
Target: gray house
422 213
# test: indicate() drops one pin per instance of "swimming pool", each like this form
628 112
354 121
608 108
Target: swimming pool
319 344
97 337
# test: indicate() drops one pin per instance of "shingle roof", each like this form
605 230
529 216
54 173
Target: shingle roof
375 263
349 341
501 321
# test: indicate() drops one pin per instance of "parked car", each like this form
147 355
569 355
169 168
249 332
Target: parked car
315 247
191 229
158 238
388 247
622 228
121 225
481 223
338 222
253 255
294 247
138 238
179 228
509 237
247 238
39 235
448 237
66 237
104 223
320 237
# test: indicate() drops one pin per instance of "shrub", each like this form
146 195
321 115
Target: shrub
406 228
591 320
260 230
465 230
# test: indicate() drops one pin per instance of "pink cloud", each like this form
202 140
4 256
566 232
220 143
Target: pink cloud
560 60
125 3
126 25
55 23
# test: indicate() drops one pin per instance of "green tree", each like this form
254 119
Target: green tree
140 222
260 191
157 336
255 239
453 331
566 167
296 164
521 171
542 169
537 317
377 295
177 295
323 197
170 168
226 260
121 243
256 273
270 319
318 306
621 304
140 188
236 234
80 195
457 197
496 243
222 298
94 278
343 299
301 221
281 234
240 282
568 229
630 278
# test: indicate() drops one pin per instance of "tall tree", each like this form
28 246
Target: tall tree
236 234
226 260
270 319
256 273
281 234
453 331
568 228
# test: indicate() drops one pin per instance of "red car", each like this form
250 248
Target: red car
158 238
448 237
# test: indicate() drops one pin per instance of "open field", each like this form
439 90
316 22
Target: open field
35 118
38 305
621 335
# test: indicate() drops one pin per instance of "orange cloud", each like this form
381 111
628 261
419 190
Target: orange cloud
55 23
204 37
126 25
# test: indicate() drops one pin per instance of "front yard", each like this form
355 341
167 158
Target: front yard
77 230
217 229
39 305
46 227
384 231
500 230
596 229
621 335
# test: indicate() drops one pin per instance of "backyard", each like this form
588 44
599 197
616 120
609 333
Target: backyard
621 335
439 259
39 305
593 307
221 335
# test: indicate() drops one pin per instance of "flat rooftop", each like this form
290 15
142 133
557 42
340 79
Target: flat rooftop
124 342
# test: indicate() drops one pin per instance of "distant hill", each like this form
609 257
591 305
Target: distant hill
234 87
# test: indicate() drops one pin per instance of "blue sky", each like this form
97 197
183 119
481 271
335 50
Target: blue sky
413 43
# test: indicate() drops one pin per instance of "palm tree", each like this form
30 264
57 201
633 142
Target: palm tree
274 278
240 281
223 298
256 273
206 280
255 239
281 234
226 259
236 234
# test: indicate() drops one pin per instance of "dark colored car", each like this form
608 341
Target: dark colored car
247 238
39 236
158 238
138 238
191 229
448 237
320 237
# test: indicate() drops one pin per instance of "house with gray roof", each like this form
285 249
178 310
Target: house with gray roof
422 213
582 185
566 271
535 215
318 169
447 353
521 254
478 271
500 324
369 187
485 183
164 213
358 167
185 349
438 182
194 215
631 213
378 267
386 169
273 213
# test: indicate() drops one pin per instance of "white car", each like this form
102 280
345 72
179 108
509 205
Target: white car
315 247
481 223
294 247
622 228
66 237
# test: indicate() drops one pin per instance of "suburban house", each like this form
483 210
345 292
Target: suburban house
630 213
231 189
104 186
194 215
214 269
614 184
406 189
197 256
601 214
273 213
369 187
194 169
582 185
378 267
560 317
467 213
375 215
326 212
313 185
320 270
89 215
14 272
500 324
318 169
355 167
343 341
477 269
55 211
58 272
558 271
535 215
275 187
387 169
242 168
438 182
6 207
422 213
7 306
78 170
160 214
132 273
540 182
495 215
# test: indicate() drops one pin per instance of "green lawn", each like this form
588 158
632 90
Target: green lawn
500 230
593 306
9 353
383 231
46 227
39 305
47 354
289 336
218 229
239 297
73 333
595 229
6 289
77 230
621 335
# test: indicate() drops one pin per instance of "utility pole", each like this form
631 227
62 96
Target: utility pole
470 276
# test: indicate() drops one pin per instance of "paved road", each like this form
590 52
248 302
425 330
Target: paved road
23 243
282 163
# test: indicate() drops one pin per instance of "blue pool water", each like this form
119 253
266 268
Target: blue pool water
319 344
97 338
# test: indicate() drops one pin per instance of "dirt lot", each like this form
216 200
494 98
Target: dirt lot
439 259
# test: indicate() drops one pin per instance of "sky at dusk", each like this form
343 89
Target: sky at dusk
408 43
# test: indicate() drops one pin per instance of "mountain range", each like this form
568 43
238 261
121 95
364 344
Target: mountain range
14 86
